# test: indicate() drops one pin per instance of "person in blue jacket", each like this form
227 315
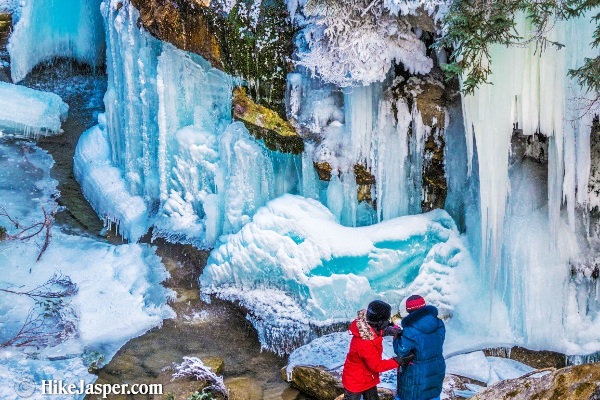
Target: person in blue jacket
423 337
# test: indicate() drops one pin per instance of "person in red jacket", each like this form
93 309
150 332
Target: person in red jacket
364 360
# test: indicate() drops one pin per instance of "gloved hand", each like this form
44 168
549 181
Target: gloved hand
404 361
398 333
392 331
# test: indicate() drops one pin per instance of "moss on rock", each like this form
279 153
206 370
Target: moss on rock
258 49
266 124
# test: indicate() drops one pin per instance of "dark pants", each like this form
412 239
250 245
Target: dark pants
370 394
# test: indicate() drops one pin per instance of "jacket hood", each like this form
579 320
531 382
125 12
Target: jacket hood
360 328
424 319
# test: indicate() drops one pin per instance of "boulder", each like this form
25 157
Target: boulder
580 382
324 384
538 358
243 388
316 381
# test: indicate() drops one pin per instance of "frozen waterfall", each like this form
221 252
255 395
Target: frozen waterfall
56 28
526 248
170 134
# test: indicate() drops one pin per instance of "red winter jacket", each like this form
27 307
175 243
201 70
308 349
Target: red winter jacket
363 362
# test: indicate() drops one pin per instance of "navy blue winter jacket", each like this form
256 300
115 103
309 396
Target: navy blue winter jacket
423 336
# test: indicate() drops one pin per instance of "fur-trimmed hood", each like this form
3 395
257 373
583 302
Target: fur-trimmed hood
361 328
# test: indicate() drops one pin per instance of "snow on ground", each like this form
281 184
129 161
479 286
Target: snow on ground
294 266
28 112
119 293
104 187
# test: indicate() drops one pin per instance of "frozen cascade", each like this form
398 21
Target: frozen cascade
532 91
297 270
56 28
171 139
387 137
367 126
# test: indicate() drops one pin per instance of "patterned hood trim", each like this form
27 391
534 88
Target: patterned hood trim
364 329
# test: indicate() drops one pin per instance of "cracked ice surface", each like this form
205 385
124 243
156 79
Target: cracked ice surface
296 269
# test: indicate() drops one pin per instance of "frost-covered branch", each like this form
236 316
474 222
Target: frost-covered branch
26 232
48 324
353 42
193 367
58 286
472 26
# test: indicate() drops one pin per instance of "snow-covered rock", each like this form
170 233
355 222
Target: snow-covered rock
28 112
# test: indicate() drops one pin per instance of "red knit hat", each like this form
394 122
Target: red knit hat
414 302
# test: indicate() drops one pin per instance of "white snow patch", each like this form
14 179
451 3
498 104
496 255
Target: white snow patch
119 293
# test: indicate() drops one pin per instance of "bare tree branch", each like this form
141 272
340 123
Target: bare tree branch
27 232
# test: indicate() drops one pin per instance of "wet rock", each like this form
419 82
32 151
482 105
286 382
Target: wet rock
326 384
5 31
581 382
266 124
316 381
365 181
256 46
534 147
363 176
187 25
323 170
594 180
243 388
428 96
538 358
384 394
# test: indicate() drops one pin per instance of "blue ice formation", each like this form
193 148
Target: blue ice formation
28 112
170 137
296 269
56 28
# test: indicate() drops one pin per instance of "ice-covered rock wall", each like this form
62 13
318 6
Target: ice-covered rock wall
56 28
170 134
372 139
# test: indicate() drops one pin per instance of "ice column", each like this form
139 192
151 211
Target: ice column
56 28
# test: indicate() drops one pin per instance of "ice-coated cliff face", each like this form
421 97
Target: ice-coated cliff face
169 133
531 231
168 155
